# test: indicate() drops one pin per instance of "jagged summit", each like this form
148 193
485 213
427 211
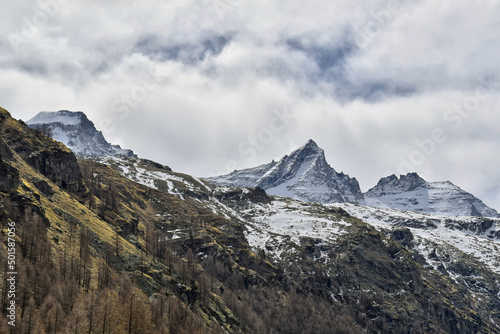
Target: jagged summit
310 144
392 183
411 192
76 131
303 174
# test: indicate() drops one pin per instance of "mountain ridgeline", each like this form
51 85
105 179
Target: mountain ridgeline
305 175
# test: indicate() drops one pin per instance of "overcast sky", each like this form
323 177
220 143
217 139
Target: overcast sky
206 87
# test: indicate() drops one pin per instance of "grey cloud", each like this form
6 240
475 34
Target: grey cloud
185 52
332 60
325 57
31 68
374 91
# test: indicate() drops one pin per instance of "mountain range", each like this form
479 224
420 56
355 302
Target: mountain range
305 175
120 242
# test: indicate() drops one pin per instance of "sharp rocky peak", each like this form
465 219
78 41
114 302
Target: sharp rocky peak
311 147
406 182
412 177
305 153
303 174
311 144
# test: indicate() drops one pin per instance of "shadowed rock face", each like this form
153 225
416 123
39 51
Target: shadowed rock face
50 158
9 176
77 132
393 184
60 167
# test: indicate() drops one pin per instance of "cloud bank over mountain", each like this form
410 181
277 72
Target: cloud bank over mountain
400 86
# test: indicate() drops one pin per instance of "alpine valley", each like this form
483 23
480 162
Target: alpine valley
107 242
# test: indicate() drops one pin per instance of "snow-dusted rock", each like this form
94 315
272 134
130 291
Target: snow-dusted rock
412 193
303 175
77 132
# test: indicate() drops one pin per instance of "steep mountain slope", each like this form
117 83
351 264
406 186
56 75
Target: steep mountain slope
51 158
478 237
172 253
303 175
110 255
77 132
411 192
396 276
465 249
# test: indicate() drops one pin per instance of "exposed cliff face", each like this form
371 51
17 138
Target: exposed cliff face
60 167
9 176
52 159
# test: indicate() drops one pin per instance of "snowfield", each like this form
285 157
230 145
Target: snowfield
270 225
129 167
435 230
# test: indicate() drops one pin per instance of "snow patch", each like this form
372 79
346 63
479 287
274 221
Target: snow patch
65 118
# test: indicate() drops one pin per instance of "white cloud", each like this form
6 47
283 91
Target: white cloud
365 83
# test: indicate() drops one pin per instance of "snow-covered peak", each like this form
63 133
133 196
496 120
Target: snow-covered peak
77 132
411 192
304 174
64 117
308 151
